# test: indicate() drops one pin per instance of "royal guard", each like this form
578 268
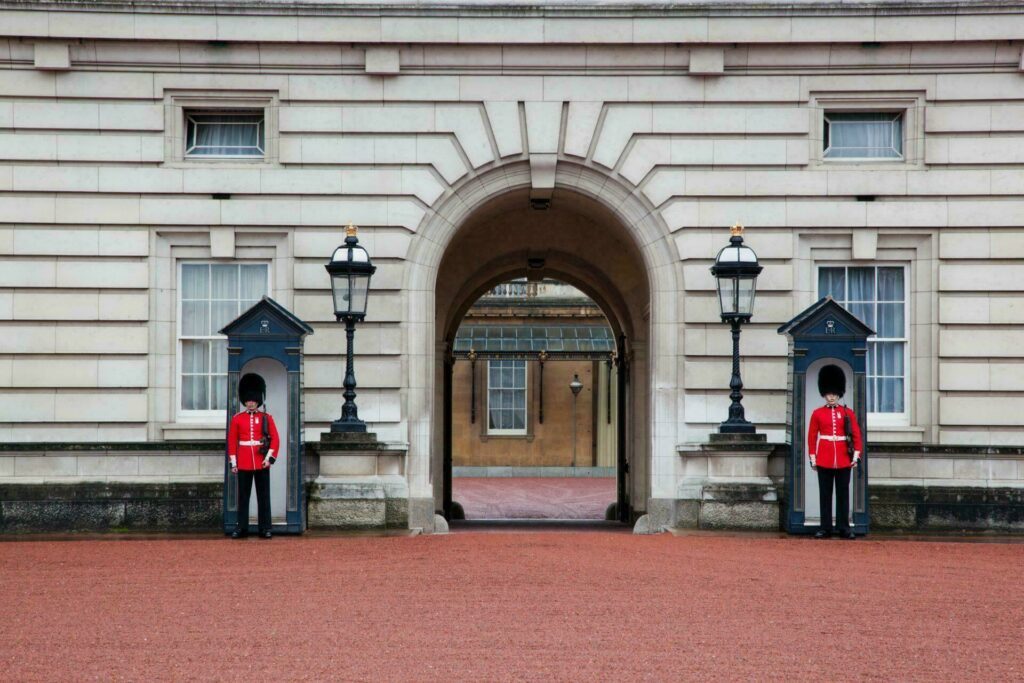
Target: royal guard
253 445
834 446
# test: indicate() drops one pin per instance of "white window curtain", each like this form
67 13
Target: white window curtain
224 134
506 397
864 135
876 296
212 295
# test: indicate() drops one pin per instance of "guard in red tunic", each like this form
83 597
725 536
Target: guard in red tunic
253 445
828 452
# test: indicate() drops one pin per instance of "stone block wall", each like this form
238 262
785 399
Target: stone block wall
705 119
111 487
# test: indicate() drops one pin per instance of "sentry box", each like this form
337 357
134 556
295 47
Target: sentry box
267 340
824 334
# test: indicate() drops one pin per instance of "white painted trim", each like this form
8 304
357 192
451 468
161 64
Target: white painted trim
201 417
526 404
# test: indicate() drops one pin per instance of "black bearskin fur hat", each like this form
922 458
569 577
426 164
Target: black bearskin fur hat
252 388
832 380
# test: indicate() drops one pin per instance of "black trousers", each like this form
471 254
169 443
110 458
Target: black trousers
245 480
841 479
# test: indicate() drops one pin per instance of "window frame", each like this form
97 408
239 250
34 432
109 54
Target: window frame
178 102
909 103
882 419
200 416
827 125
526 400
189 113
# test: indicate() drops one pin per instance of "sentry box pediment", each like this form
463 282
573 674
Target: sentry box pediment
827 321
267 319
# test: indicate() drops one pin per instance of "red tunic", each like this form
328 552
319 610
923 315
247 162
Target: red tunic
244 435
830 448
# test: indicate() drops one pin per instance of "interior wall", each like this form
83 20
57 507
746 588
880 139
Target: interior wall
276 377
812 506
545 444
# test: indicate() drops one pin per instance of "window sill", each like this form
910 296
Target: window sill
192 431
867 164
193 162
895 434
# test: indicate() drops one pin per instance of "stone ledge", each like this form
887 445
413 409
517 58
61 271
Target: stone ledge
936 484
939 451
535 9
136 480
27 508
120 447
875 448
343 446
916 508
726 447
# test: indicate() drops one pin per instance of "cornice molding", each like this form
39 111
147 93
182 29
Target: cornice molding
529 8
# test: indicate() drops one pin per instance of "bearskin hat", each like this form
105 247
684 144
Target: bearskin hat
252 388
832 380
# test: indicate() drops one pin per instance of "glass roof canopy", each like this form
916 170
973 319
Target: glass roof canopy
528 340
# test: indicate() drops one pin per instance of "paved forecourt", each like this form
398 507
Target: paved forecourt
534 497
496 606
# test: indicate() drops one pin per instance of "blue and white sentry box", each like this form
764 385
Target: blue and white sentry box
267 340
824 334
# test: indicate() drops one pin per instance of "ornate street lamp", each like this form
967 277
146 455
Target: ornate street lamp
575 386
736 269
350 269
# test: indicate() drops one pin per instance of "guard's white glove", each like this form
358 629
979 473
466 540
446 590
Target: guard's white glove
814 463
856 458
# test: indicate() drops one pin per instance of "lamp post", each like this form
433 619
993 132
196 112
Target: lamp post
350 270
575 386
736 269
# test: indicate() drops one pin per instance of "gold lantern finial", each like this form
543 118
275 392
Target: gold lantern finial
736 230
350 230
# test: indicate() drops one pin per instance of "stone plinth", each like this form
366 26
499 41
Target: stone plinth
725 485
361 484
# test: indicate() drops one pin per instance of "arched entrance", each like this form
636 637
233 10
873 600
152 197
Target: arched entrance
596 236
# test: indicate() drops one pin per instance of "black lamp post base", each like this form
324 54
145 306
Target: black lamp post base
736 428
348 426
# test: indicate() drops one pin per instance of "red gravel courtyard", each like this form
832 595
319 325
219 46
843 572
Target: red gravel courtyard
511 606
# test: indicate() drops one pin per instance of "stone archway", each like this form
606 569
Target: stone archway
598 236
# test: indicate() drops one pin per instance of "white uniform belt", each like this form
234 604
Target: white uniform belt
820 436
260 443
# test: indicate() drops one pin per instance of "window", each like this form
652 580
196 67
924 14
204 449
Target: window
863 135
506 397
877 296
225 134
211 296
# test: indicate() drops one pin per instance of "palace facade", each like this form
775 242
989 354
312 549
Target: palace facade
164 166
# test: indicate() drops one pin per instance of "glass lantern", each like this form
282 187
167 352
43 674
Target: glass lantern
350 270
